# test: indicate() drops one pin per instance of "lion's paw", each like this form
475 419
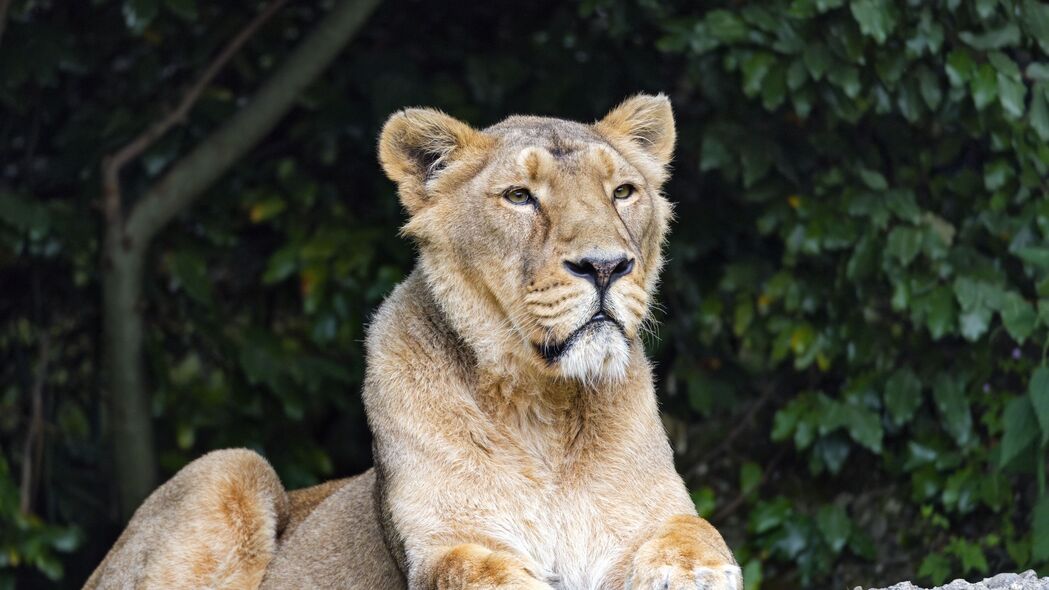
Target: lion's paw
473 567
686 554
672 577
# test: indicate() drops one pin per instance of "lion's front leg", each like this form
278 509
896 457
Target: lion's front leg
686 553
473 567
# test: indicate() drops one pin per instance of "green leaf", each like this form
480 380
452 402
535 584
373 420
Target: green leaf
767 516
940 312
754 70
1012 94
817 59
1005 36
725 26
875 17
996 174
948 391
1039 113
1039 72
983 85
835 526
903 395
971 556
973 323
929 85
749 477
281 265
1020 429
191 272
1036 21
1038 392
873 179
705 501
935 567
904 243
138 14
1040 530
1005 65
960 67
845 77
1018 316
752 575
1036 256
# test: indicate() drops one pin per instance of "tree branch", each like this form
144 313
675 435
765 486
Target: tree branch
192 175
128 237
114 163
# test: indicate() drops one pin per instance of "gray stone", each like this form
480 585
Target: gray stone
1025 581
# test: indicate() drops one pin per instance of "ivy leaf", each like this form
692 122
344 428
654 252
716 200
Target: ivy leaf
754 71
949 393
873 179
845 77
1021 429
749 477
935 567
983 85
1040 530
904 243
974 322
1006 36
1036 21
960 66
817 59
940 312
1037 71
835 526
1039 113
1038 392
1018 316
971 556
1011 94
725 26
191 272
903 395
875 17
930 88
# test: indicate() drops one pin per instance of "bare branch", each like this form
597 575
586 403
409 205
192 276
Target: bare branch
194 173
114 163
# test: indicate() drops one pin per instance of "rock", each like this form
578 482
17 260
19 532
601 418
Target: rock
1025 581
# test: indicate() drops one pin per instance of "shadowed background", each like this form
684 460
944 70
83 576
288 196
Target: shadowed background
853 318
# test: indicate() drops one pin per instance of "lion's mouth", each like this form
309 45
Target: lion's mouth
553 351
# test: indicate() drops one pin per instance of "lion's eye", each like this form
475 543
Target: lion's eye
518 196
623 191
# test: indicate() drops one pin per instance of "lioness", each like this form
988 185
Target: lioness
517 439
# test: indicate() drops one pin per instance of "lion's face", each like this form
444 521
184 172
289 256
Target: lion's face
540 237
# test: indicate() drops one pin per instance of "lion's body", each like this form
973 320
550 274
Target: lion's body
518 442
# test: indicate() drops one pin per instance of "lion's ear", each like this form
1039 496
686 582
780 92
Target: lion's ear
416 144
647 122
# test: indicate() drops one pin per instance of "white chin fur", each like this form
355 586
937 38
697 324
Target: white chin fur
599 354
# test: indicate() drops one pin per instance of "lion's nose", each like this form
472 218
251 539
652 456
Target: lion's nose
602 272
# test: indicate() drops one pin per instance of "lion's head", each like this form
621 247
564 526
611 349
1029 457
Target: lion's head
540 238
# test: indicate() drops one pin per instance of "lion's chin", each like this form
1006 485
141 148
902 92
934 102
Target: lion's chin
598 353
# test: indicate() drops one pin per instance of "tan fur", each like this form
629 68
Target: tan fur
502 467
518 442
